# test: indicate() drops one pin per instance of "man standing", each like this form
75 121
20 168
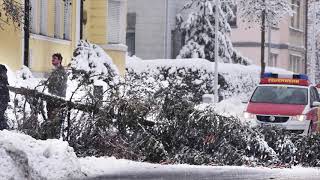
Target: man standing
4 96
57 85
57 81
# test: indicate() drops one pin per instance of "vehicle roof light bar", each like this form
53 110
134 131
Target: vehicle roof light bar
286 76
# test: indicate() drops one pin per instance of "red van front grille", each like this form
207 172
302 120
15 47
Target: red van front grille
275 119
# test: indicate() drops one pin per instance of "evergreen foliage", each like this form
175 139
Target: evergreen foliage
199 32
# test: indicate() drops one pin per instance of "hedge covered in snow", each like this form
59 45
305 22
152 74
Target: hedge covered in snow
234 79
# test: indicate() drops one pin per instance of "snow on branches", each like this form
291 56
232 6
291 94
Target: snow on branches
198 29
93 62
251 10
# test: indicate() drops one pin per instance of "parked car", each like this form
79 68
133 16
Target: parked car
288 101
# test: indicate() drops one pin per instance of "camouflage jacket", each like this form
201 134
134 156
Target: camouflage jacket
4 91
57 82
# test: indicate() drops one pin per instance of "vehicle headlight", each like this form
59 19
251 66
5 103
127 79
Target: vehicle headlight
300 117
248 115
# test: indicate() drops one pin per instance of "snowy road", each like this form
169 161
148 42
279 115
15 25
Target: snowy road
212 173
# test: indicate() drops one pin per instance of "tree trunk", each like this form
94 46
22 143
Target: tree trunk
263 39
26 32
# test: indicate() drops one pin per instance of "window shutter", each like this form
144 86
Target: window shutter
114 22
67 19
43 16
57 21
33 18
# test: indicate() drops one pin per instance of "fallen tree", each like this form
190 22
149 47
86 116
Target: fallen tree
63 103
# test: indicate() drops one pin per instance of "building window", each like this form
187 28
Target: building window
131 33
67 20
114 21
39 18
131 41
33 16
57 19
177 43
43 17
295 19
273 60
295 63
233 20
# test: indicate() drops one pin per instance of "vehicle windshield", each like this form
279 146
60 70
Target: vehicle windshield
280 95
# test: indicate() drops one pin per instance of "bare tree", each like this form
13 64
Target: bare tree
264 12
11 12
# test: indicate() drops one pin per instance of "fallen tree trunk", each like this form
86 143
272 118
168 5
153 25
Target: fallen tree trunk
58 100
63 102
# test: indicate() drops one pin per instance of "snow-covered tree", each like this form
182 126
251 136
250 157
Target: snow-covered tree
264 12
198 30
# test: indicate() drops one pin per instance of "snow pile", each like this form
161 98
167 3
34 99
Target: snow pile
24 73
233 106
93 166
131 58
22 157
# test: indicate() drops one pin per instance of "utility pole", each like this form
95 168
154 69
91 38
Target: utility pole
81 19
306 38
263 40
269 45
216 53
26 29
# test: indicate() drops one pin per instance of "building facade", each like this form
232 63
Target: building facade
151 28
151 34
57 26
287 41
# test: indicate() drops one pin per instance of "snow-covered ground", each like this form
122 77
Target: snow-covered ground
22 157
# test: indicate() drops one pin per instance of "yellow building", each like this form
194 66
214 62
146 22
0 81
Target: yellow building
55 27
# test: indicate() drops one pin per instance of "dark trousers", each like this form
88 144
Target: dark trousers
51 128
3 120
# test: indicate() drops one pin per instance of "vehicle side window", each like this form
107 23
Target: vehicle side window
314 96
316 93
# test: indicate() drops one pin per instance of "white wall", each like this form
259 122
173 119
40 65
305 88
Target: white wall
154 22
150 27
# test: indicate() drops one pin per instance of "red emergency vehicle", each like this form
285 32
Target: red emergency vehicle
288 101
